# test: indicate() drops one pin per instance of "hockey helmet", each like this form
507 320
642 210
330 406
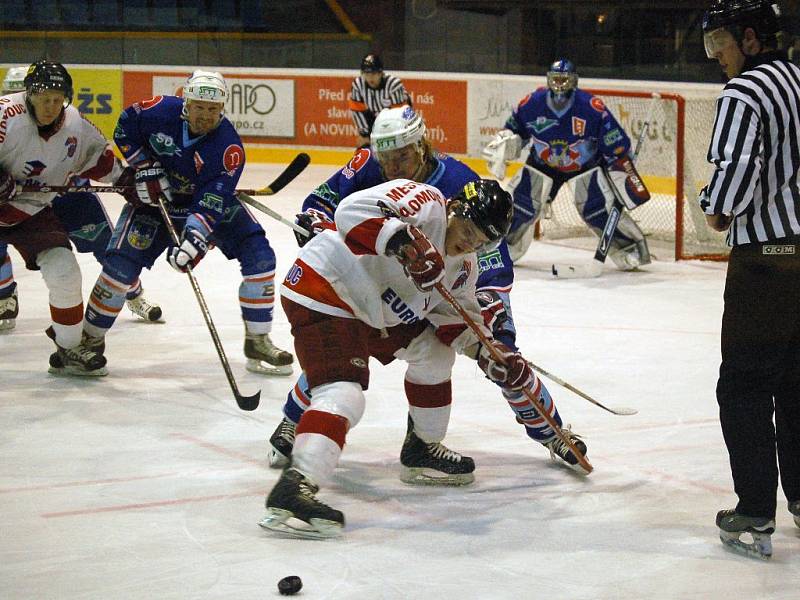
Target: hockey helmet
734 16
14 81
488 206
371 63
47 75
396 128
208 86
562 79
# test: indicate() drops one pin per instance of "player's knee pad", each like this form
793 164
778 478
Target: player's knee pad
62 276
343 398
255 255
429 360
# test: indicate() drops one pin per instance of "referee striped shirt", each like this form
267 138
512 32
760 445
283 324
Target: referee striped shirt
366 102
755 148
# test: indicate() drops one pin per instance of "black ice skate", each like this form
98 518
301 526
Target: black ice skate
281 443
293 509
732 525
433 464
80 361
265 357
143 309
794 508
562 454
9 310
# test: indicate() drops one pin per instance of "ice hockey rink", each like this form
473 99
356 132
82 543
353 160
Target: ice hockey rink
149 483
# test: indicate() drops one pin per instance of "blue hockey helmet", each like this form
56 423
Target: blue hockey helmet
562 79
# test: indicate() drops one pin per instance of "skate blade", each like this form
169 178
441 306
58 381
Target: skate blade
760 547
277 460
577 468
73 372
264 368
316 529
424 476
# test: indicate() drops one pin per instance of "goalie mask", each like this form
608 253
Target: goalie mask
398 141
14 81
562 81
205 86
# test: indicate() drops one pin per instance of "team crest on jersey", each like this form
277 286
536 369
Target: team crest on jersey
142 232
561 155
233 158
463 275
356 163
34 168
72 146
163 145
578 126
597 104
542 124
198 162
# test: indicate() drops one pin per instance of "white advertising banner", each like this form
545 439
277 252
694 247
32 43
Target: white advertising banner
256 107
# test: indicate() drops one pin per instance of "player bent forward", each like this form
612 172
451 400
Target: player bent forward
365 289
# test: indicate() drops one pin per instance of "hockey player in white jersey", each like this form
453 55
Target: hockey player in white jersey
45 141
367 288
87 225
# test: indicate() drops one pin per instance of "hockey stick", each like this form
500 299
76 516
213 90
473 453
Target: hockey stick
595 268
452 301
268 211
298 164
244 402
616 411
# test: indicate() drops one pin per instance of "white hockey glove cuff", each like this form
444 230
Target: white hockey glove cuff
505 146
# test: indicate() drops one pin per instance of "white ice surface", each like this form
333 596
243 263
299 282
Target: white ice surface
149 483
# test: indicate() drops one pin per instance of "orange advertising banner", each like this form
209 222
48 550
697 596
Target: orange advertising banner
318 107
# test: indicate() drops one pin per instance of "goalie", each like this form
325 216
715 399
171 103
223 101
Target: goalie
572 136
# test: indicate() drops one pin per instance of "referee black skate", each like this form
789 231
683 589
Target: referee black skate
754 194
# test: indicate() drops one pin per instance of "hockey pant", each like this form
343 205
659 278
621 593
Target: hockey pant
140 237
88 227
593 197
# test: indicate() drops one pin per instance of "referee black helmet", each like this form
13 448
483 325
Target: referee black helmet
371 63
763 16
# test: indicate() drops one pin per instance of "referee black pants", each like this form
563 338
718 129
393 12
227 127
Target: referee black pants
760 373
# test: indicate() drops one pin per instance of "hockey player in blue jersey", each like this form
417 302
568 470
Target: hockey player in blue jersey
573 136
186 151
400 149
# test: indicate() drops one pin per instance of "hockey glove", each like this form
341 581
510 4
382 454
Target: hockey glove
313 221
8 187
513 373
492 309
128 179
191 251
420 259
505 146
151 182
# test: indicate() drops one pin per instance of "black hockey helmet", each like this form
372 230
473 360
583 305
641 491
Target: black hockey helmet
371 63
488 206
763 16
47 75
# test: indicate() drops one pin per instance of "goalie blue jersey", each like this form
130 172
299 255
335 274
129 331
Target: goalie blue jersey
449 177
203 171
581 136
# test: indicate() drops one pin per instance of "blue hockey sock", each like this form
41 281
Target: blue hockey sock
256 298
105 302
135 290
298 400
535 425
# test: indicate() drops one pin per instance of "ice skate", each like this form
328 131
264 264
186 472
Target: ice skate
293 509
281 443
732 525
794 508
562 454
433 464
143 309
80 361
266 358
9 309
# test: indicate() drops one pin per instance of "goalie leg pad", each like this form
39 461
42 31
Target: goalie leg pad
530 190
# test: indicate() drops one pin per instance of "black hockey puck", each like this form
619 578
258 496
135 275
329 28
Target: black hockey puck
289 586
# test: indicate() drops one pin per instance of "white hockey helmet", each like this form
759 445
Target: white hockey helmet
396 128
208 86
14 81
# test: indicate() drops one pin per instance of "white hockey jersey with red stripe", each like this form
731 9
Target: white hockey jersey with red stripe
76 147
346 273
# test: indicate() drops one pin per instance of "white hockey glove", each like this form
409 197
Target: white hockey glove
191 251
151 182
505 146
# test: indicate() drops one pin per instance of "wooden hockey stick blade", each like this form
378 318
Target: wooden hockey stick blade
568 271
297 166
555 379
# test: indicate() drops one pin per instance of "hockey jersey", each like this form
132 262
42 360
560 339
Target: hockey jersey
346 273
495 270
74 147
203 171
583 135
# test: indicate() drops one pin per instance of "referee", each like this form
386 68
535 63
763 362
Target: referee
371 92
754 194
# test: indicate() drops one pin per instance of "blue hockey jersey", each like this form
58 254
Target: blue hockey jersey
449 177
203 171
581 136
